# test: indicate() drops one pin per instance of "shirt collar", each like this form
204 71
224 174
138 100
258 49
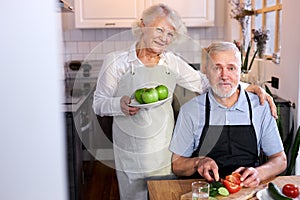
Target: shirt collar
239 105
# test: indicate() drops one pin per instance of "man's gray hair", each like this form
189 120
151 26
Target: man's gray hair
222 46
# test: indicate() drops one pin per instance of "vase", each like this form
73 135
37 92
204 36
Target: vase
261 72
245 76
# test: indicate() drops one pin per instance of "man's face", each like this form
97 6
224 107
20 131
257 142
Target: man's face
223 73
158 35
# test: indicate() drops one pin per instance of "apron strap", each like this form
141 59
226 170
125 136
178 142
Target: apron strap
207 110
207 119
132 68
166 66
249 106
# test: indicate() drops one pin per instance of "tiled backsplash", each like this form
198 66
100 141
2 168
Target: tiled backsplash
79 43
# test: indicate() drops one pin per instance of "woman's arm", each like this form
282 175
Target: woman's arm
261 93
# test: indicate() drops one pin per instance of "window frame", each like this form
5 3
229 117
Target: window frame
277 8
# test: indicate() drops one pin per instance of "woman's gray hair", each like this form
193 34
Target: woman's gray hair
156 11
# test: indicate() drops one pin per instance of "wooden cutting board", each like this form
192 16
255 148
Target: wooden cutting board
243 194
248 193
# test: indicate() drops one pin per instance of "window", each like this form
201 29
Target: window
268 17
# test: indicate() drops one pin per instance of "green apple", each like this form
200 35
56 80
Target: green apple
162 91
138 95
150 95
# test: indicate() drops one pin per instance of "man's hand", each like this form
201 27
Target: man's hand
249 176
208 168
263 95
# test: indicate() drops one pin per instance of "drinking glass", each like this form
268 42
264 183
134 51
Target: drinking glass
200 190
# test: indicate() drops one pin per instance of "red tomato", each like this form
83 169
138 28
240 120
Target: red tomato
236 174
234 178
232 182
290 190
231 187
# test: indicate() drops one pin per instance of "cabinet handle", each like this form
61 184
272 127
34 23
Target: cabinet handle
110 24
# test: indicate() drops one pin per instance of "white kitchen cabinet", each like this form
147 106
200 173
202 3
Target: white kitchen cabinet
107 13
121 14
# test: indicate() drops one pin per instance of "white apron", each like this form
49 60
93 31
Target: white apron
141 141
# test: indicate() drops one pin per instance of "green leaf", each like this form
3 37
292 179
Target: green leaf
242 58
247 56
246 66
253 59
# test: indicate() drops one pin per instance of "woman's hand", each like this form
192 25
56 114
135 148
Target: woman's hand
127 110
263 95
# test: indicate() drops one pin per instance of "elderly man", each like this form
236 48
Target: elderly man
225 130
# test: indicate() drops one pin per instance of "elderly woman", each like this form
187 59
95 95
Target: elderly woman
142 136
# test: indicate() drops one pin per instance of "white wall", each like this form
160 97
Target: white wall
288 69
32 137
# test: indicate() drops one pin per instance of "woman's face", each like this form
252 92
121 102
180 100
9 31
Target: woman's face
158 34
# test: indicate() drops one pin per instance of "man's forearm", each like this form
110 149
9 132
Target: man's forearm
182 166
274 166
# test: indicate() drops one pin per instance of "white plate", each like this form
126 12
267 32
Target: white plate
264 195
135 103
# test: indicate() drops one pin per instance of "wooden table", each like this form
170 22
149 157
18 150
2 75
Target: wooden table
181 189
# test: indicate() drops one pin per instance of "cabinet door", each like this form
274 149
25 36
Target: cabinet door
195 13
107 13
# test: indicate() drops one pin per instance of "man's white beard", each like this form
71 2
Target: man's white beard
221 94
